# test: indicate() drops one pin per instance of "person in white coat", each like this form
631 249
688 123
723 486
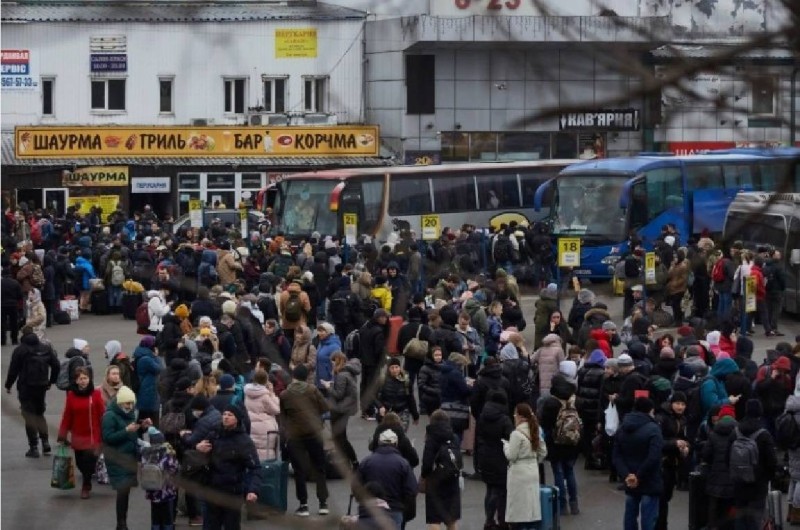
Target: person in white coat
263 407
524 450
157 308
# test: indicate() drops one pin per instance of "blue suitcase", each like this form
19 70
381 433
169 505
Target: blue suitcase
550 508
274 493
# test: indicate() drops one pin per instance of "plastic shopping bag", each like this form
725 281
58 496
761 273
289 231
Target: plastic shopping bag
612 419
100 471
63 476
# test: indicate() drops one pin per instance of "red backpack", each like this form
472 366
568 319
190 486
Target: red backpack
143 318
718 272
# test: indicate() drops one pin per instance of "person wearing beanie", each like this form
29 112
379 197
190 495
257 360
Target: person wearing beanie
583 302
744 351
371 353
671 418
344 308
237 476
396 395
229 393
630 381
157 309
590 387
773 386
78 356
637 458
263 406
545 306
548 357
712 389
121 431
301 407
304 352
415 328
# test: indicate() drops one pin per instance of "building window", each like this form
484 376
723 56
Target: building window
48 96
420 84
108 94
165 95
235 95
275 94
763 100
315 94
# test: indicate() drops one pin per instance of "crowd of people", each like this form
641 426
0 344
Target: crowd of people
253 349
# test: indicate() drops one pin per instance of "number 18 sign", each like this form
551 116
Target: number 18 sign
569 252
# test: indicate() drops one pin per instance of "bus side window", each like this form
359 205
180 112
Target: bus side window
372 196
699 177
454 193
409 196
738 176
498 191
664 191
638 205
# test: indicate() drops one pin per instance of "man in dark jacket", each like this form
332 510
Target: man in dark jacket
28 368
630 381
776 285
344 308
372 353
490 379
637 457
386 466
409 331
10 300
750 498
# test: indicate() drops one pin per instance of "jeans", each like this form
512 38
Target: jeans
339 431
564 479
308 460
161 513
114 296
725 305
495 503
763 315
649 508
774 305
222 517
9 319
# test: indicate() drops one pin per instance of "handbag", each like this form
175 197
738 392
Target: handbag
96 284
415 348
63 475
612 419
100 470
458 413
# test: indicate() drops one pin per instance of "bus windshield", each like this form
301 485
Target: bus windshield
305 207
588 205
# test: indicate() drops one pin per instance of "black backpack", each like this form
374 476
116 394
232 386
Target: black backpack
787 431
37 367
339 308
631 267
447 462
502 249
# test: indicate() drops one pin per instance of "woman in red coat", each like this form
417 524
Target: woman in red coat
82 418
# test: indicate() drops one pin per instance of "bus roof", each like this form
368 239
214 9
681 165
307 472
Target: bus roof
341 174
640 163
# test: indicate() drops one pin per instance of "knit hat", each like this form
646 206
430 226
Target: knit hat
783 364
753 409
79 344
608 326
625 360
568 368
678 397
667 353
585 296
685 331
148 341
693 351
327 326
394 361
182 311
205 332
727 411
713 338
226 382
183 384
344 282
387 437
125 395
199 403
229 307
156 437
236 411
300 372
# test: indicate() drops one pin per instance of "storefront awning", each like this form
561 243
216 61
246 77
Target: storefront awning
385 158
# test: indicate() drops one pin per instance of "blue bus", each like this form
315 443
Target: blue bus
604 201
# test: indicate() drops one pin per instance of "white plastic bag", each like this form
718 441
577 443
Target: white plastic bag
612 419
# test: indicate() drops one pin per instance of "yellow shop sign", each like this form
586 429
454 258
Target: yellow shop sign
96 176
128 142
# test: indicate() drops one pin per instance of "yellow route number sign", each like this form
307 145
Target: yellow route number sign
431 227
350 228
750 294
569 252
196 213
650 267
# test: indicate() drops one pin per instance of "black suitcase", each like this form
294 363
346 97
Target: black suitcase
698 501
130 303
61 317
99 302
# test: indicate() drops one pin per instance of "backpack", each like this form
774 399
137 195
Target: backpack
787 431
293 311
351 344
718 271
369 306
37 276
143 316
208 274
151 474
744 457
694 403
568 425
117 274
447 462
631 267
65 372
339 308
172 422
37 368
36 233
415 348
502 249
281 265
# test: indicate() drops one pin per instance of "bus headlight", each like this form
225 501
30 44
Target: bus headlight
610 260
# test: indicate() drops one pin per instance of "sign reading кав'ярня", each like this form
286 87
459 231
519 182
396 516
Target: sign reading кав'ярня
108 142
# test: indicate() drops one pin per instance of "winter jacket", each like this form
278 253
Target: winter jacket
204 428
86 269
387 466
523 503
302 406
677 278
305 301
477 315
712 390
234 462
576 316
673 429
263 407
148 368
429 386
452 384
590 387
372 344
157 309
603 343
548 357
767 461
343 393
82 418
168 462
490 379
407 332
384 296
121 444
10 292
227 266
446 337
716 454
396 395
76 360
561 394
436 435
493 426
637 451
327 347
593 319
545 305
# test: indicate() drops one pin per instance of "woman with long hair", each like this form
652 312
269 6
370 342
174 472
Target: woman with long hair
342 394
524 450
82 419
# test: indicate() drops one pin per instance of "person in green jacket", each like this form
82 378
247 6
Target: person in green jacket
120 436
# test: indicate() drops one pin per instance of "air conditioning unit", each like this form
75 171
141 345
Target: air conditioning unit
277 119
201 122
260 118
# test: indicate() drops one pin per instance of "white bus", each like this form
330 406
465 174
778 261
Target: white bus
391 199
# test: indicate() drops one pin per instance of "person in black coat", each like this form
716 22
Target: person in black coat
430 394
169 337
396 394
442 493
372 354
392 421
750 499
409 331
490 379
672 421
234 470
715 454
587 400
203 306
11 297
493 426
49 297
444 333
345 309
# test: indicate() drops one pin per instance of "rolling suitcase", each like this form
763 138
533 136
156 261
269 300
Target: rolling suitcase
274 493
775 509
130 302
99 302
550 508
698 501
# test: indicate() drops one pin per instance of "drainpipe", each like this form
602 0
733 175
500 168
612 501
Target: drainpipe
793 107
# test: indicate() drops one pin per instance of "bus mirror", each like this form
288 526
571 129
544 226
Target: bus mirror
794 257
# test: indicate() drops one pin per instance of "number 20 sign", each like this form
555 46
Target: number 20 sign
569 252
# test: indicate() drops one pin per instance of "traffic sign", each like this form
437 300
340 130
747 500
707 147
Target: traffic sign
650 267
569 252
196 213
750 294
431 227
350 228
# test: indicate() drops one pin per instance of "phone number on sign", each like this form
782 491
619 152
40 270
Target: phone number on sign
18 82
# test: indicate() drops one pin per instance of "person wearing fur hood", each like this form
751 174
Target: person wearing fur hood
548 358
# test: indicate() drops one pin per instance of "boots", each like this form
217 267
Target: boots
33 452
46 450
573 507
